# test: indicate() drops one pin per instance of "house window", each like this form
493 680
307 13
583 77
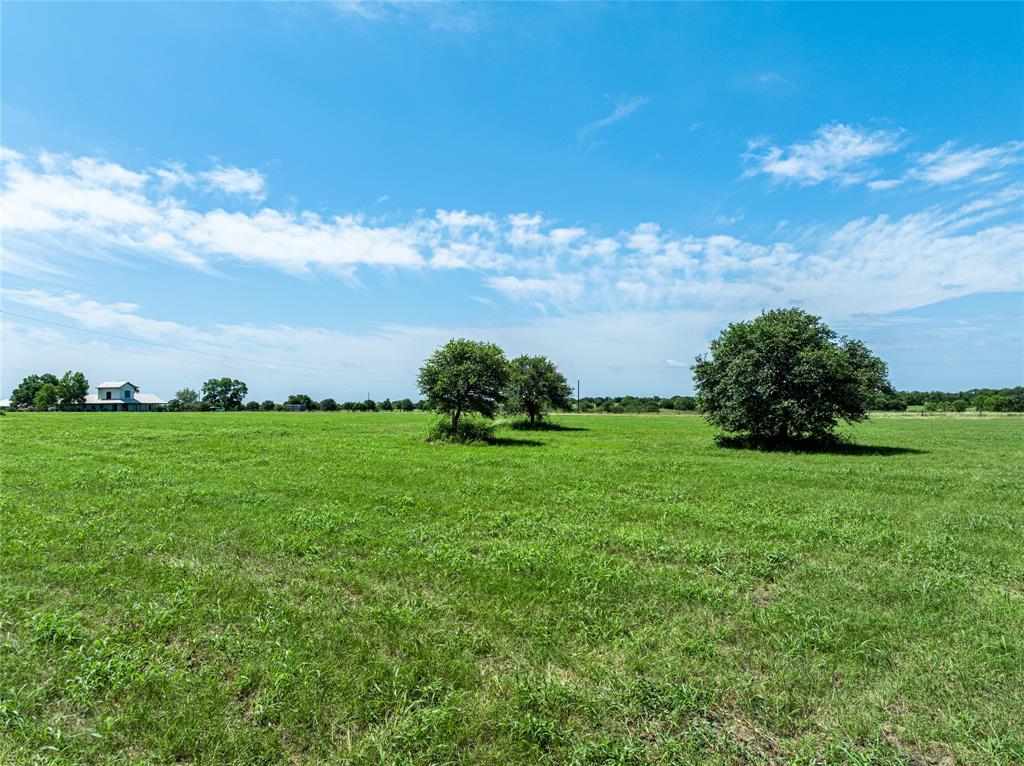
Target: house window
108 394
127 393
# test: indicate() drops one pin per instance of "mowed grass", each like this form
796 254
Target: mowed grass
327 588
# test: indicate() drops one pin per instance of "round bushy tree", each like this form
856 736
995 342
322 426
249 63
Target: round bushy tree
786 376
537 386
464 376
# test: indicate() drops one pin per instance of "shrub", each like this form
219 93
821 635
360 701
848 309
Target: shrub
468 431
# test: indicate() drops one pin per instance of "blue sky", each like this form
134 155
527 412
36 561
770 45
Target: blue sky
311 197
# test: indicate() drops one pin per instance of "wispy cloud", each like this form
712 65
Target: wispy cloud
769 78
838 153
64 210
458 18
624 107
235 180
948 164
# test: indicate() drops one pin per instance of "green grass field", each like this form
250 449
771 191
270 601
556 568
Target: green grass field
327 588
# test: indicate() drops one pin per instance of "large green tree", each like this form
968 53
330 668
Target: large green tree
72 389
224 392
786 376
465 376
26 391
536 386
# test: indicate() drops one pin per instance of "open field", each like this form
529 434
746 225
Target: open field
326 588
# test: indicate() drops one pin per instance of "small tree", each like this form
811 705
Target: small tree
46 397
223 392
369 405
537 386
786 375
328 405
267 405
405 405
72 389
464 376
187 396
252 406
386 406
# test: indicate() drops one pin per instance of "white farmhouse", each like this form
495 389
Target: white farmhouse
121 396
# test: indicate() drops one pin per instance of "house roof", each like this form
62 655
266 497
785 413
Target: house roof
136 399
117 384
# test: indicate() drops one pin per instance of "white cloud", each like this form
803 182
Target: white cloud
837 152
885 183
454 18
947 164
235 180
558 289
59 210
624 107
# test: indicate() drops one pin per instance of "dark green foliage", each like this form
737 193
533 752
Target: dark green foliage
328 405
72 389
536 386
386 406
464 376
46 397
302 400
786 376
468 431
405 405
186 400
252 406
267 405
26 391
225 393
369 405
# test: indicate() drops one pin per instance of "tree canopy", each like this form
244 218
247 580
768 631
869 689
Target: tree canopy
465 376
786 376
224 392
72 389
536 386
26 391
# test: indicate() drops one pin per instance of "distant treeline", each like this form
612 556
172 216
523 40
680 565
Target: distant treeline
975 399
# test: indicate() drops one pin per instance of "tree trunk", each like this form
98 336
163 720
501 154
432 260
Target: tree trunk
455 420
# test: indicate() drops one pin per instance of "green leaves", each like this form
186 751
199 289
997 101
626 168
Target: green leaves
786 375
465 376
537 386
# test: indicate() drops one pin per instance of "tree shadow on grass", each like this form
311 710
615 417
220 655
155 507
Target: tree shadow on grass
503 441
809 446
544 425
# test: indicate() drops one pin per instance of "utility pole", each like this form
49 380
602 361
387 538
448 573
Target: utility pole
577 396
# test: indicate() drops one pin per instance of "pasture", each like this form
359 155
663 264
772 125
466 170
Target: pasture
310 588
